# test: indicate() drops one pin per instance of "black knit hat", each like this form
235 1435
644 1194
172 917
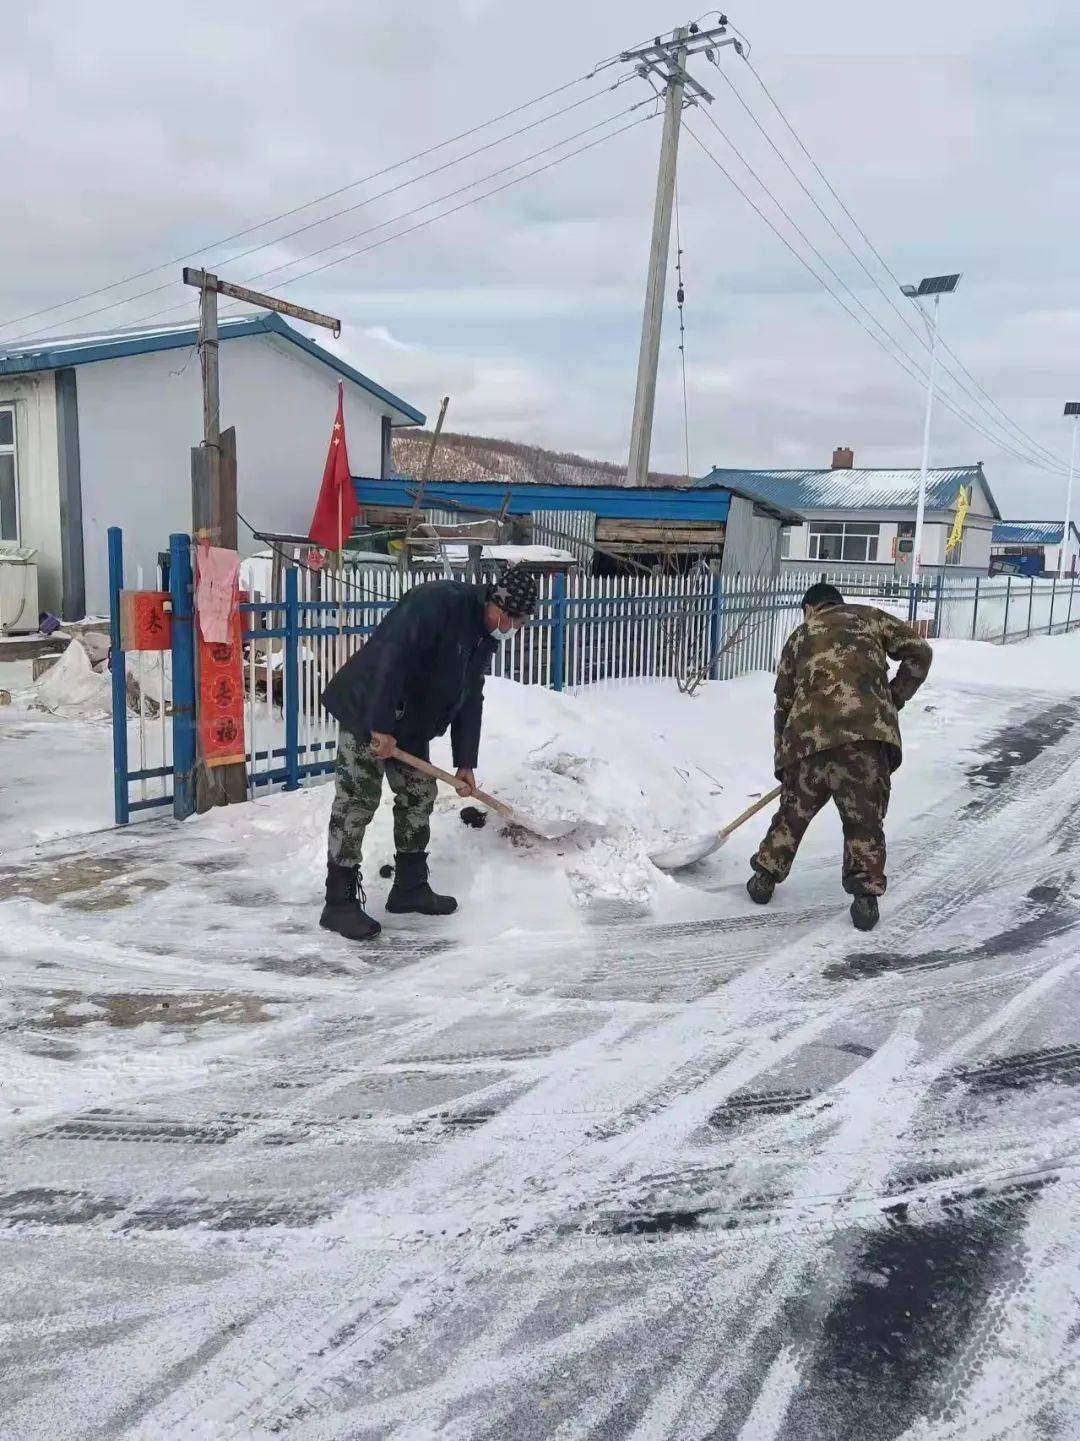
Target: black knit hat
515 592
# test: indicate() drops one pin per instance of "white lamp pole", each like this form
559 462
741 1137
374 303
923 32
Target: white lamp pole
920 510
937 286
1073 409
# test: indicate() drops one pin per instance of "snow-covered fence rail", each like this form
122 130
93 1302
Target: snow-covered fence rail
686 628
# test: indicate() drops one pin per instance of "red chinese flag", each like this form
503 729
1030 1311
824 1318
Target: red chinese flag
337 507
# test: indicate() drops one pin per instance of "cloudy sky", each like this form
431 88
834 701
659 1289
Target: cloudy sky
133 134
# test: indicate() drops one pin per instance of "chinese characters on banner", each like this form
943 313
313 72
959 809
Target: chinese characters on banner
145 623
221 691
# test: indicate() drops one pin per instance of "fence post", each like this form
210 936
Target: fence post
292 680
913 602
1072 592
937 605
1053 598
558 631
183 676
1031 604
1008 599
975 611
715 611
118 669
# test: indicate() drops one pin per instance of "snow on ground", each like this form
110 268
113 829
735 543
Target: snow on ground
610 1153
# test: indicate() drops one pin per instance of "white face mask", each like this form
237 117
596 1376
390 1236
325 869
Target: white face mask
501 637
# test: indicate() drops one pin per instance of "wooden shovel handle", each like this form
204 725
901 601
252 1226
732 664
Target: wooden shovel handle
759 805
427 769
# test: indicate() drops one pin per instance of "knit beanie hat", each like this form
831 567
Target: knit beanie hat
514 592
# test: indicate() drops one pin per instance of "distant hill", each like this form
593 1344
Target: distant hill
480 458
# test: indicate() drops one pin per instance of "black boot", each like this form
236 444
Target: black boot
865 913
760 888
411 894
344 913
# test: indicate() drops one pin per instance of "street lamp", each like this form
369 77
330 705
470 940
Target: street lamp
937 286
1072 407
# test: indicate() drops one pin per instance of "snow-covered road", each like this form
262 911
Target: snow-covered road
701 1172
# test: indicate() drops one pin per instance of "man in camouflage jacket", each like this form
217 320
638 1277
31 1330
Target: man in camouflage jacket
838 738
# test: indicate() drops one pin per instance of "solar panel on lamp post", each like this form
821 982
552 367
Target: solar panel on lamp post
1072 408
936 286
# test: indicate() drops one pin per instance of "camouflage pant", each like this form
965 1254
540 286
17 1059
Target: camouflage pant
357 795
858 778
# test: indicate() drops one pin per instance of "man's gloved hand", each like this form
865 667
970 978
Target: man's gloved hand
383 746
466 782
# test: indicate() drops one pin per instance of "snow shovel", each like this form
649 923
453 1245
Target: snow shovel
685 853
552 830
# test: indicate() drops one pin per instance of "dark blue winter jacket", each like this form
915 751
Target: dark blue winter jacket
420 672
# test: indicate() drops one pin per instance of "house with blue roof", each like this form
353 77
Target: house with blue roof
1033 547
864 520
97 430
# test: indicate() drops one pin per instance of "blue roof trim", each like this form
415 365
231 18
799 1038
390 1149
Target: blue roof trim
63 353
610 502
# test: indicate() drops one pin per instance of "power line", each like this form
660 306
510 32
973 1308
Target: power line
1020 433
370 200
680 298
296 210
899 356
422 224
1003 441
450 194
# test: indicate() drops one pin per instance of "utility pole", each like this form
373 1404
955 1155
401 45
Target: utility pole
920 510
213 478
937 286
1072 407
663 64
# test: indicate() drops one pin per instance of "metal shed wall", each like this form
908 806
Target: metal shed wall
752 542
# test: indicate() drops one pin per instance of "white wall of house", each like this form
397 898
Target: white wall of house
33 397
974 551
140 415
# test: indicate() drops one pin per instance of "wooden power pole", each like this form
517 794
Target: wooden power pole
663 61
213 477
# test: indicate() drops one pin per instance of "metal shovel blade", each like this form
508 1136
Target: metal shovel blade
552 830
685 853
546 830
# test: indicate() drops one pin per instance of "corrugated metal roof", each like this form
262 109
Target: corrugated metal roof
878 490
1029 532
59 352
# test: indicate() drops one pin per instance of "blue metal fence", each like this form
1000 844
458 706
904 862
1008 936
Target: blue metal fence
585 629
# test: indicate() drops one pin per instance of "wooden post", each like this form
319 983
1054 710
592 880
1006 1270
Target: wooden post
214 479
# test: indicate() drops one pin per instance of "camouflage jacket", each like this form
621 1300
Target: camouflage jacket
833 686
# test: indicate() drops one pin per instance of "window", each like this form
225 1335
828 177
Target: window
785 542
9 490
844 540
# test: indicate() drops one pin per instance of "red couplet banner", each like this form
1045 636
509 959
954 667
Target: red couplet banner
221 698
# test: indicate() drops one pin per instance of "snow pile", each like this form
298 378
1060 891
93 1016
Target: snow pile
634 767
73 689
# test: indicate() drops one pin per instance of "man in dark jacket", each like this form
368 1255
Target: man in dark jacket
420 673
838 737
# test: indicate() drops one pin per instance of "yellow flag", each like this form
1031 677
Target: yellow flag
962 507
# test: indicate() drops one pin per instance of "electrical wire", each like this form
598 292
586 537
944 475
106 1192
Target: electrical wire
1020 434
891 350
448 195
298 209
919 333
1002 440
430 220
680 298
348 210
